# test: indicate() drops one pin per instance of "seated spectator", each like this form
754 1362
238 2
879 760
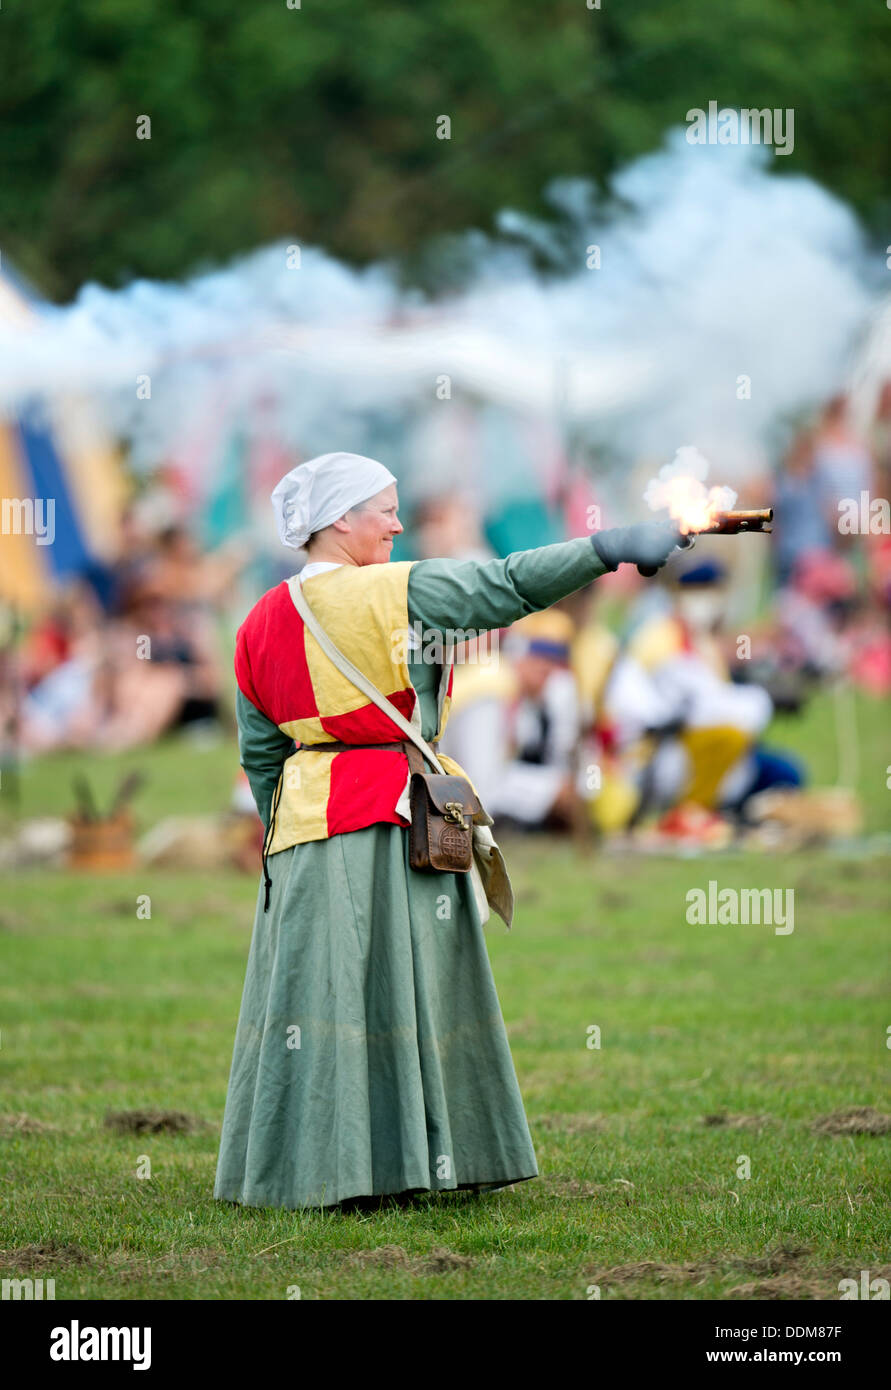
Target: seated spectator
689 735
516 723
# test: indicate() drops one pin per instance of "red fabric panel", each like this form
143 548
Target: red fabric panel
270 659
243 677
368 724
365 786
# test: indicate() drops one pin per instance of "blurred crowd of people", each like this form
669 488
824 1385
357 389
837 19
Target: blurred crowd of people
116 665
662 712
832 548
572 726
628 700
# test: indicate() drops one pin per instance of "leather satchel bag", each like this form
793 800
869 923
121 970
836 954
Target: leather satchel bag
443 809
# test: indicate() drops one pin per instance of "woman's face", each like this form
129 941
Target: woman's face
374 525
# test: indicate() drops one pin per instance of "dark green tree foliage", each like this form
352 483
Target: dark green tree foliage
319 123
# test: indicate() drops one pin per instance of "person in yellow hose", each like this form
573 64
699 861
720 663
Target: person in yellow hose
685 730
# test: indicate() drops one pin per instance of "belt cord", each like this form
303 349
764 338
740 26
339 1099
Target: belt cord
267 839
277 796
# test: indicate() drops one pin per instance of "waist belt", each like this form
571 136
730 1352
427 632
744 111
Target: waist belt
415 758
415 764
441 839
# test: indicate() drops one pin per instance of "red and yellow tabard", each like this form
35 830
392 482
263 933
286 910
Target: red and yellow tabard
281 669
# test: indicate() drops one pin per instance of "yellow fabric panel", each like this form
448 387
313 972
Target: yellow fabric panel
95 477
549 624
657 641
712 753
99 489
306 731
481 681
456 770
378 647
302 812
24 574
616 803
593 653
444 716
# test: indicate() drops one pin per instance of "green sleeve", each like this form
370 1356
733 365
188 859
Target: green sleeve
495 593
262 748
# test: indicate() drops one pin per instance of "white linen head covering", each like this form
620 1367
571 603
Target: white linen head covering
316 493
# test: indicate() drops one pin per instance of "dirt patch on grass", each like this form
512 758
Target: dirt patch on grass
23 1124
613 901
792 1286
856 989
654 1271
52 1254
153 1122
439 1260
775 1261
442 1261
805 1284
861 1120
737 1121
12 921
866 868
782 1263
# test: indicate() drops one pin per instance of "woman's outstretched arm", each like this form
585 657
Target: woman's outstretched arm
495 593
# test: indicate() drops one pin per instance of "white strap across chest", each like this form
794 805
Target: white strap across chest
352 673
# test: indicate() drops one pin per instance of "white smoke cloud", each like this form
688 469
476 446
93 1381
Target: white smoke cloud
713 269
679 488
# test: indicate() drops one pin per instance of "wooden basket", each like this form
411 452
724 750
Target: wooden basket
101 846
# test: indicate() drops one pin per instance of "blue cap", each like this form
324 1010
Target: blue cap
706 572
543 646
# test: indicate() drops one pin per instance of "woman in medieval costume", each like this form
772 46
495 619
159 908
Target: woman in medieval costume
371 1056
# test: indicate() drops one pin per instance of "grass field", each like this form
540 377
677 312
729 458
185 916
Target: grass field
718 1044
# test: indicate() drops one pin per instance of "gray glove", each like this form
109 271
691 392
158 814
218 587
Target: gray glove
648 545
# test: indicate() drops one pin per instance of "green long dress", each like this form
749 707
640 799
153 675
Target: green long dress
371 1055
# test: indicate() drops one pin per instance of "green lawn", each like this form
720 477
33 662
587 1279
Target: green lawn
102 1011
